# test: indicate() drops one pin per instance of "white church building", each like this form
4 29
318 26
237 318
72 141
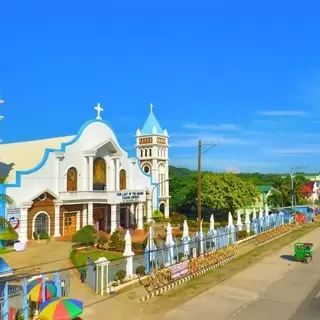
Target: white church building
62 184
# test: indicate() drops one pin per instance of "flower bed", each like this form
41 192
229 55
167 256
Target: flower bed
273 233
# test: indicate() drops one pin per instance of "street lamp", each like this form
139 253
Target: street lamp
200 153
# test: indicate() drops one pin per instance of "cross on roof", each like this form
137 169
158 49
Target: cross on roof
99 109
151 107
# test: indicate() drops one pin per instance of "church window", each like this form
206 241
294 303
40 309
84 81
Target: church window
146 169
41 224
146 152
123 179
99 174
150 152
141 153
72 179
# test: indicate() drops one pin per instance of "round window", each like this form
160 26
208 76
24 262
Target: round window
146 169
42 197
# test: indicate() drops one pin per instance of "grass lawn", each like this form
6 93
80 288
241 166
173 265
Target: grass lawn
95 254
6 250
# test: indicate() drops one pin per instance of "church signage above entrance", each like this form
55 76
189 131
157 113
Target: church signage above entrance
131 196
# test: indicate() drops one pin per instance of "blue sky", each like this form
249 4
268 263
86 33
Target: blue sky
246 75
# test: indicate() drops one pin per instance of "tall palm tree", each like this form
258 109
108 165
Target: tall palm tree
3 197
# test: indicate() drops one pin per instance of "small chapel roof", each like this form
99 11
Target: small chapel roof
151 123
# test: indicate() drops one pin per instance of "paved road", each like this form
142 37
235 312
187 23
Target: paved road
276 288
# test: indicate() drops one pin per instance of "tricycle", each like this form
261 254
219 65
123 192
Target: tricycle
303 251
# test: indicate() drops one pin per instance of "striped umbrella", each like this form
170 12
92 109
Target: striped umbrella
35 289
61 309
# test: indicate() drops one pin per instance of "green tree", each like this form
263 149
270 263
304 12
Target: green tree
227 191
3 197
183 190
84 236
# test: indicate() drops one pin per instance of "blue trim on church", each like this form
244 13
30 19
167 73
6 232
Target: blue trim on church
47 152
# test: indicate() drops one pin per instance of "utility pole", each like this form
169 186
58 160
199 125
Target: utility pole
1 117
292 176
200 153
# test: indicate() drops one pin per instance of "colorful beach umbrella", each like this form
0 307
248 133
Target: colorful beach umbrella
35 290
61 309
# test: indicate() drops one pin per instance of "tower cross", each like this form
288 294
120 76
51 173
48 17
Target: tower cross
99 109
151 107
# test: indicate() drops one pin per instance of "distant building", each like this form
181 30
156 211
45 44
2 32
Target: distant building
62 184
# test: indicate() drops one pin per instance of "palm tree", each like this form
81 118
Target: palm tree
3 197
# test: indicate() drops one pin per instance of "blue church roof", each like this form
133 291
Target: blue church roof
150 123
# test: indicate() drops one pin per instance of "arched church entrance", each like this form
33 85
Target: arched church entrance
162 208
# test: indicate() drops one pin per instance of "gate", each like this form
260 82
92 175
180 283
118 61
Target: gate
91 276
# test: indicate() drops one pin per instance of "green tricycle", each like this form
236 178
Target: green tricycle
303 251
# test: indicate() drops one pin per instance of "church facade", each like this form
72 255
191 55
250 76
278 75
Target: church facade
86 179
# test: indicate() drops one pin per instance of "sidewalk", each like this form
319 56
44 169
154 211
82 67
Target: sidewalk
226 299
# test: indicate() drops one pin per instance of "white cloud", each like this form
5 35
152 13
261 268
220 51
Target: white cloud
306 149
282 113
213 127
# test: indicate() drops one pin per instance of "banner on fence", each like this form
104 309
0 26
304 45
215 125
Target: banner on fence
180 270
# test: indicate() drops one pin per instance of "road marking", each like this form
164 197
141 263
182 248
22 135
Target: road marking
318 295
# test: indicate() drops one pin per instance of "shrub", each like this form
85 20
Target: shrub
84 236
120 275
242 234
144 219
35 236
89 228
157 215
141 270
43 236
116 243
102 241
252 233
176 218
180 256
137 246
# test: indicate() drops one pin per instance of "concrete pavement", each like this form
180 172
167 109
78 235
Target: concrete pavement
273 288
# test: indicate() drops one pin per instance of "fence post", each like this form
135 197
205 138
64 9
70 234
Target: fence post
6 302
57 282
25 306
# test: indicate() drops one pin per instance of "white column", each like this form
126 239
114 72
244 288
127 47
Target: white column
78 220
90 213
90 169
140 217
149 210
84 216
23 232
113 218
167 210
85 176
57 220
117 180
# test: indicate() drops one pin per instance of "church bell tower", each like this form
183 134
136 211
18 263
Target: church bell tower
152 152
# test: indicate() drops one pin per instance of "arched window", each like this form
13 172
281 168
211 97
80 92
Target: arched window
150 152
146 152
162 207
41 224
123 179
72 179
99 174
141 153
